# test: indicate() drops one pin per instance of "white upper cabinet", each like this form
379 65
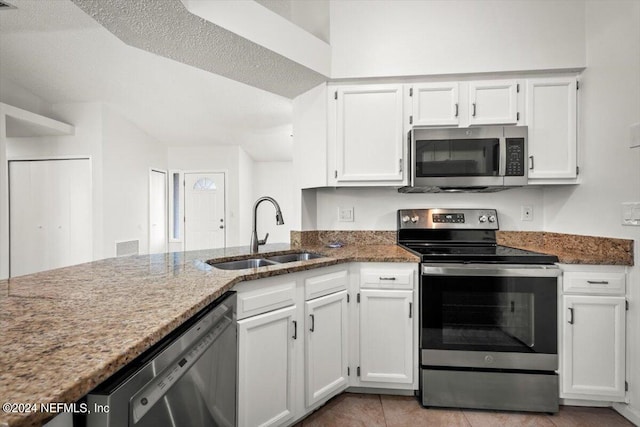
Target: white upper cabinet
551 118
463 104
366 135
493 102
435 104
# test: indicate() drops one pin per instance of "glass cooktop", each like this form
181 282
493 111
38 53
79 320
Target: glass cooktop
480 253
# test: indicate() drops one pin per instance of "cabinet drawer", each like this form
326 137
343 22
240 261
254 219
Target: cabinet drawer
266 298
325 284
386 278
598 283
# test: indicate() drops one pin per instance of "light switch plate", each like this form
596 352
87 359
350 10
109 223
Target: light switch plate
634 141
345 214
631 213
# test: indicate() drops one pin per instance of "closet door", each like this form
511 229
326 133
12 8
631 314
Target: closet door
50 214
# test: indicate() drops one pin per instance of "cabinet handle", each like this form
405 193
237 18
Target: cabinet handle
456 115
400 163
387 278
571 317
313 323
295 330
410 310
597 282
530 162
474 110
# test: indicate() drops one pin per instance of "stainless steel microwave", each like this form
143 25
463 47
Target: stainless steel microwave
478 157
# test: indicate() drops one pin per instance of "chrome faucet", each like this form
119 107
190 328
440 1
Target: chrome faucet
255 242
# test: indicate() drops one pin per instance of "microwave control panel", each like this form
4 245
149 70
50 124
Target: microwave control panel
515 157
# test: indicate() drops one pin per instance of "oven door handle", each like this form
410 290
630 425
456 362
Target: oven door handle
490 270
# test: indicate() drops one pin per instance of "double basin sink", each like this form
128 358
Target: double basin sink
263 262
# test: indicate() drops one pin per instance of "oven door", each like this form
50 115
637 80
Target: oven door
489 316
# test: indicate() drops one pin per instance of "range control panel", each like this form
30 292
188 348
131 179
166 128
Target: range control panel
470 219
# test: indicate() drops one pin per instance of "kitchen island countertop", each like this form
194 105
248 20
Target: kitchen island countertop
65 331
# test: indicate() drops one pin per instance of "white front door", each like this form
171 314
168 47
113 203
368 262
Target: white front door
50 214
204 219
157 212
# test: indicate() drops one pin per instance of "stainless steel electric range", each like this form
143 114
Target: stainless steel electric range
488 314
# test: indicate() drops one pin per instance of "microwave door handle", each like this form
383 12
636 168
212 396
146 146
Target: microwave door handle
411 168
502 165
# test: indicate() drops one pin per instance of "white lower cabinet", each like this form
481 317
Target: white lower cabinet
292 344
386 326
593 332
296 338
265 368
326 346
386 336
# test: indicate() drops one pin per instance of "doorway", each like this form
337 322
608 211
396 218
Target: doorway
158 224
50 214
204 210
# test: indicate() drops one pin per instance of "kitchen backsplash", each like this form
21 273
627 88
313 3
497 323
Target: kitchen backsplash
570 248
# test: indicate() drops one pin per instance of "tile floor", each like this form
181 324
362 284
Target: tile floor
373 410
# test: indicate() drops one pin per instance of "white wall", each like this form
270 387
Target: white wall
87 141
375 208
274 179
372 38
246 178
121 155
609 103
220 158
128 153
13 94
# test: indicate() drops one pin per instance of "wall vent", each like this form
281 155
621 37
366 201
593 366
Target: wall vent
126 248
4 6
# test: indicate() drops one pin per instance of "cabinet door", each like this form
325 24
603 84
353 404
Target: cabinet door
386 336
551 118
493 102
593 359
435 104
326 346
369 134
265 368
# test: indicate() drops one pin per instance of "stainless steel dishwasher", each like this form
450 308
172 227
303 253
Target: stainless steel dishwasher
187 379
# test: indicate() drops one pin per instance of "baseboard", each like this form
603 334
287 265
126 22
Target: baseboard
632 414
368 390
588 403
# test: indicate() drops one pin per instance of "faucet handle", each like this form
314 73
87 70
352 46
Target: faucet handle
264 241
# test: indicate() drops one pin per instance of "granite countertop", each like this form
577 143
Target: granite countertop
572 248
65 331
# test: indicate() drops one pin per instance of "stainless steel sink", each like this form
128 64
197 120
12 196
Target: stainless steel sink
244 263
301 256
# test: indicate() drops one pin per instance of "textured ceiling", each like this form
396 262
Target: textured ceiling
59 53
167 28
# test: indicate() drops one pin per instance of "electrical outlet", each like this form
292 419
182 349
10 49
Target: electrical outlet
345 214
526 213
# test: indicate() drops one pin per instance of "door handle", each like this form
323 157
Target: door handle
456 115
410 310
474 110
295 330
571 317
313 323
